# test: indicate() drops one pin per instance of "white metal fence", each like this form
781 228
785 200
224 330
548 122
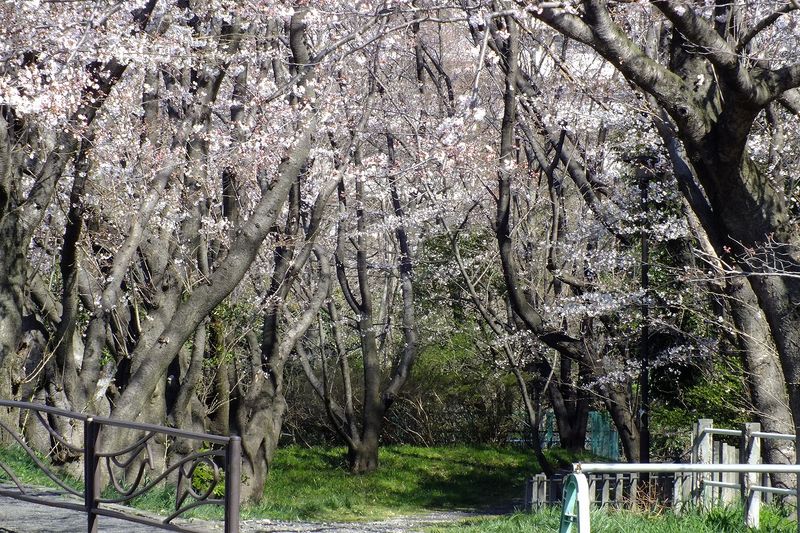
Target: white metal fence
719 473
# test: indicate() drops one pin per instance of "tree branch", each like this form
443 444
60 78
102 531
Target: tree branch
731 66
613 44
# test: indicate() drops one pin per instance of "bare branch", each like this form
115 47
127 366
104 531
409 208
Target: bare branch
763 24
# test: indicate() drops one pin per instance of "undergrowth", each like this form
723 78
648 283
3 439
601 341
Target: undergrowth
717 520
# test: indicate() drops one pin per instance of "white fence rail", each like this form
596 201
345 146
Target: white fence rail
718 474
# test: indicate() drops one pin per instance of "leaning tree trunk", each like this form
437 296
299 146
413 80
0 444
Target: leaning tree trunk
763 372
616 403
765 377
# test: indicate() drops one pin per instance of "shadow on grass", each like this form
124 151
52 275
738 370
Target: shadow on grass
451 478
482 478
314 483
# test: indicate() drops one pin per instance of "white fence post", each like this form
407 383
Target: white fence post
702 444
730 456
750 454
619 487
538 491
681 492
605 491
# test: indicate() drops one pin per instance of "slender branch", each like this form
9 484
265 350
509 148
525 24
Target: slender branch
763 24
335 413
403 368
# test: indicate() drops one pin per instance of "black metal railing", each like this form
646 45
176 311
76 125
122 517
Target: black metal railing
218 458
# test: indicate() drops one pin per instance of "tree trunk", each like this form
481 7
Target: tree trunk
572 415
617 405
763 372
362 457
259 419
12 278
764 377
13 262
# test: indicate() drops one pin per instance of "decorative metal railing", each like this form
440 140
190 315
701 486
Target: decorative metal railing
217 458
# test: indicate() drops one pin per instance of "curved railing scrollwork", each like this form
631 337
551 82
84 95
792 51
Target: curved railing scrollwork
56 435
130 471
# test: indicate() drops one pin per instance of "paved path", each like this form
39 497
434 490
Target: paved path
17 516
23 517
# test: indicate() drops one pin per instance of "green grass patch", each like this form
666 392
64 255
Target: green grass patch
314 484
28 472
718 520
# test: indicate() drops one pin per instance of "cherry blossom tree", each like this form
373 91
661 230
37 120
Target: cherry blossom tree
150 151
719 73
170 232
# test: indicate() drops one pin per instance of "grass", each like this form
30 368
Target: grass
28 473
718 520
313 483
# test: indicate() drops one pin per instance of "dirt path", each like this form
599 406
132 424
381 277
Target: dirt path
398 524
23 517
